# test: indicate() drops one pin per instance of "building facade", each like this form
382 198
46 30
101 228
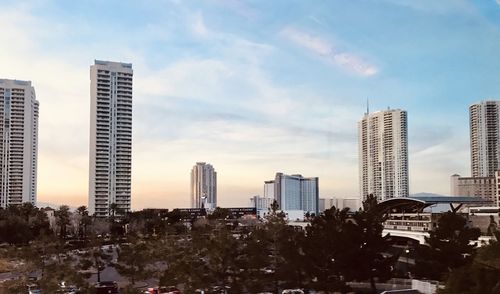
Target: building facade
203 186
383 154
295 192
269 189
110 170
484 138
261 203
340 203
483 187
18 142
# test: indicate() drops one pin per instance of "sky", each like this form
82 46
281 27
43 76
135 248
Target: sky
254 87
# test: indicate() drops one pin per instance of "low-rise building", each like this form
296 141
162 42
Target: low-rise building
483 187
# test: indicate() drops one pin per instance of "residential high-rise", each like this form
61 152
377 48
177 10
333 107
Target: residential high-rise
383 154
110 169
18 142
294 192
484 138
203 186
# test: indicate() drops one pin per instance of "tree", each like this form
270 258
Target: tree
371 258
329 247
62 220
84 221
338 239
133 260
480 276
449 247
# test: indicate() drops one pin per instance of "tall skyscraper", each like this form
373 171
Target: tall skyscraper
18 142
383 154
484 138
110 137
203 186
294 192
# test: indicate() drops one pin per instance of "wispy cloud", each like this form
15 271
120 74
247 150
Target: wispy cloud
198 25
326 50
498 2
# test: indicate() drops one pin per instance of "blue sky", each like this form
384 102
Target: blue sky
254 87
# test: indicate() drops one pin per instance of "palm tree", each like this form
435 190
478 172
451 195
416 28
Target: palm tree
84 221
62 219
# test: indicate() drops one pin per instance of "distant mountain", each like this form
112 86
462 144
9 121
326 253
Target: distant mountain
425 194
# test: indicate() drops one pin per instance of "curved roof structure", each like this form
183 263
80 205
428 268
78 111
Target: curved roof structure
418 203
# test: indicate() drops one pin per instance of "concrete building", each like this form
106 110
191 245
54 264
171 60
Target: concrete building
484 138
261 203
203 186
294 192
483 187
18 142
110 170
269 189
352 203
383 154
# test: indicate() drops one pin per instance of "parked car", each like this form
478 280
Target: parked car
292 291
107 287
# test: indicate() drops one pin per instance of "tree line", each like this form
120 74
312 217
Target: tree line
337 247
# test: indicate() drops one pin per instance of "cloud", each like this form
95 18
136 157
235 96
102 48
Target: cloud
327 51
198 25
498 2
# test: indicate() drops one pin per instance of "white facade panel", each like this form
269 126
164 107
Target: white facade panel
18 142
383 154
203 186
110 171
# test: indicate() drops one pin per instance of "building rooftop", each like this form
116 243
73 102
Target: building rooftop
15 82
423 200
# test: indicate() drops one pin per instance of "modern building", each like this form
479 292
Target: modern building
383 154
269 189
484 138
486 188
340 203
18 142
294 192
203 186
261 203
110 171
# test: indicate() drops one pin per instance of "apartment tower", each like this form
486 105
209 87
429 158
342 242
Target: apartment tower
383 154
18 142
484 138
203 186
110 138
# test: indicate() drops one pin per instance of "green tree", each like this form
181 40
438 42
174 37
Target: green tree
133 260
62 220
480 276
84 221
329 246
449 247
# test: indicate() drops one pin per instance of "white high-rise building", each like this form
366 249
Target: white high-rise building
294 192
383 154
484 138
110 171
18 142
203 186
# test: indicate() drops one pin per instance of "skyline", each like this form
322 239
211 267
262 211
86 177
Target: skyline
302 79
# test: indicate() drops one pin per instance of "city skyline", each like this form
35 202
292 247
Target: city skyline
253 93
